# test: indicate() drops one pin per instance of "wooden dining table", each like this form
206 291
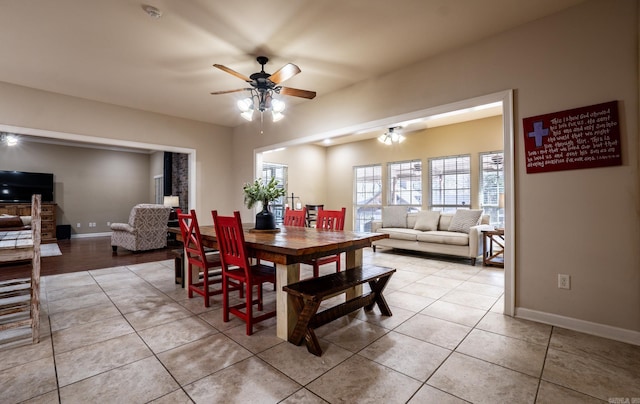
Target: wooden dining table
290 246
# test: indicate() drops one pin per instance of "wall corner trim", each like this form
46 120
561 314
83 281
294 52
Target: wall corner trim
587 327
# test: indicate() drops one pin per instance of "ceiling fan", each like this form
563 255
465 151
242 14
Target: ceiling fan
263 86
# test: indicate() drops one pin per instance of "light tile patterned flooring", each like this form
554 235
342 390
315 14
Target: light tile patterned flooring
130 335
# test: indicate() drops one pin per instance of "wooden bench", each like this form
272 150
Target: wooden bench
309 294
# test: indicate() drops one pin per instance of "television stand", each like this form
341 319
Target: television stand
48 217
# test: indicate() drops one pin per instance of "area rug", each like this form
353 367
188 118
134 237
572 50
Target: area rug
49 250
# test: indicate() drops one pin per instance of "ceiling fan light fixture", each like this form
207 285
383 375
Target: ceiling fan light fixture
276 116
391 137
384 139
248 115
263 87
245 104
277 106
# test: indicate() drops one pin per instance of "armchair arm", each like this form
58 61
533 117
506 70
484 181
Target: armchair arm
475 239
122 227
376 225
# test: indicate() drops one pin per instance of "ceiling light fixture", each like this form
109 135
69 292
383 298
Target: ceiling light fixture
8 138
391 137
152 11
261 100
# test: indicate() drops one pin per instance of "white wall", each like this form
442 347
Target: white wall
584 223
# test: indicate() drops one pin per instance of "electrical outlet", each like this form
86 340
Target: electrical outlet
78 225
564 281
108 223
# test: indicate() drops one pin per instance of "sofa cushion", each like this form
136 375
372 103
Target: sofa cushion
411 219
399 233
10 221
427 220
394 216
463 219
444 237
445 221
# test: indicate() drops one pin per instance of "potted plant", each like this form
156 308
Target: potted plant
258 191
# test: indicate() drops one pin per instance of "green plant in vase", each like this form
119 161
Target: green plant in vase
258 191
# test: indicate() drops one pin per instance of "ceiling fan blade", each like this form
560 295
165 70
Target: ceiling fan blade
285 73
229 91
233 72
298 93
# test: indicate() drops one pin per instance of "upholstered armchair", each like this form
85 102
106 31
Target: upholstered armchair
146 230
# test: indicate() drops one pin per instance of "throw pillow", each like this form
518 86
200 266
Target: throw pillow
394 216
10 221
427 220
464 219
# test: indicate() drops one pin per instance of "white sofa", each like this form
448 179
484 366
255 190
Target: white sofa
458 234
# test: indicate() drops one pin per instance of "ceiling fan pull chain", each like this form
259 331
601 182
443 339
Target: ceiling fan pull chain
261 121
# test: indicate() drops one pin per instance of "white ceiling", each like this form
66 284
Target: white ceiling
112 51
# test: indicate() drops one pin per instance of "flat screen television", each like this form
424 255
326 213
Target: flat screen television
18 186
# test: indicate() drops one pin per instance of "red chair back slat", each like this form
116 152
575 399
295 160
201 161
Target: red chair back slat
331 219
192 240
296 218
230 238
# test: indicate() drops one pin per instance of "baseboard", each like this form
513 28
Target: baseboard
587 327
90 235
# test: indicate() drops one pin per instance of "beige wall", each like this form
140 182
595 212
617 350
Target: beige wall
156 160
23 107
584 223
306 171
473 137
91 185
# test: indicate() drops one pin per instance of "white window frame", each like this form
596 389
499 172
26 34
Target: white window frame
455 183
367 196
491 185
404 184
281 172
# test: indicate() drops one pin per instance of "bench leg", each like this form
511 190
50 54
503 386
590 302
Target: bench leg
313 346
306 309
376 288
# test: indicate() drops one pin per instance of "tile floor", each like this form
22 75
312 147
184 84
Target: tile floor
130 335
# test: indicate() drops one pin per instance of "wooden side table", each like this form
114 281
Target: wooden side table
493 255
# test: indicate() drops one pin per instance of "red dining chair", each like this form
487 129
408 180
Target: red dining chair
328 220
236 268
295 218
209 264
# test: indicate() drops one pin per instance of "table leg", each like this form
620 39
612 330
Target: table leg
354 260
286 316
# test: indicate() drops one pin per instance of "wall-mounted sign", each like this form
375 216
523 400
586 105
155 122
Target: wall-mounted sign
576 138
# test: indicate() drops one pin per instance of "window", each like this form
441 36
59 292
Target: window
450 181
279 171
405 184
492 186
158 182
367 203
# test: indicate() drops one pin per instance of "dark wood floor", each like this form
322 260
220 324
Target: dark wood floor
83 254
